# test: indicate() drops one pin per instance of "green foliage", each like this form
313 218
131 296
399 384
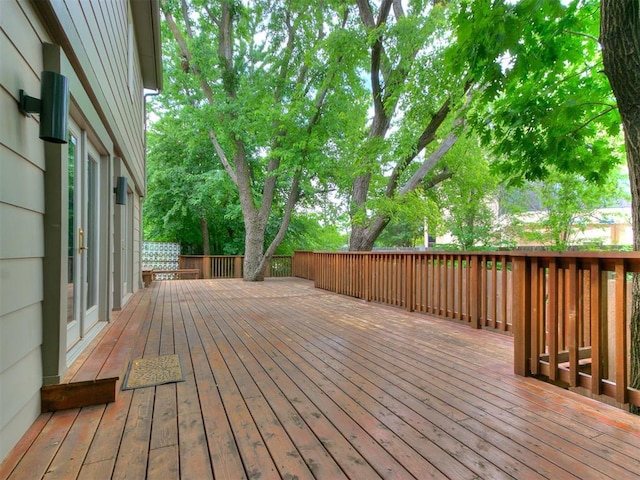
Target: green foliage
309 232
468 198
545 102
296 95
265 84
554 212
183 187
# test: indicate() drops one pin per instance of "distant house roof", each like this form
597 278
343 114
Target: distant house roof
146 18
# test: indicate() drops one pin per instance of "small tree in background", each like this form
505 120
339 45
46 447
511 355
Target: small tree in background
555 211
468 199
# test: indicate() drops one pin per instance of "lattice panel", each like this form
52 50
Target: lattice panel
160 256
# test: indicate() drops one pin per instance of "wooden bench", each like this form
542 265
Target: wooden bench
179 273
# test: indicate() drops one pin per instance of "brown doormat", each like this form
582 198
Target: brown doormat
148 372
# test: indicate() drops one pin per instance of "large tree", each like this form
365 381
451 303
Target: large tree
262 77
620 38
415 109
525 74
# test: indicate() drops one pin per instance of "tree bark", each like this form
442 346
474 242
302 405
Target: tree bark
204 228
620 39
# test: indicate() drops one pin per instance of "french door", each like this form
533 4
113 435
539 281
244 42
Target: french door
84 237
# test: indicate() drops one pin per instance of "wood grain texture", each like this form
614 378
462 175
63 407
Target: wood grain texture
287 381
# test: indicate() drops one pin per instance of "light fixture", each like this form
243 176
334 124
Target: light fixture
53 106
121 191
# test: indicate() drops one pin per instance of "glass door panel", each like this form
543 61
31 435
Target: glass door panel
92 242
84 237
73 323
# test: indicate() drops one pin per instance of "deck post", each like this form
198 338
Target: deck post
206 266
237 267
521 315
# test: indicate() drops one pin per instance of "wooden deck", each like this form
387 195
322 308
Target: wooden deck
287 381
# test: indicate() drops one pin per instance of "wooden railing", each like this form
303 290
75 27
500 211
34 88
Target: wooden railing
569 313
231 266
302 265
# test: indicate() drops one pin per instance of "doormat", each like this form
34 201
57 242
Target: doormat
148 372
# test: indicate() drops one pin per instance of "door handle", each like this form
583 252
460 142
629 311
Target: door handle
81 246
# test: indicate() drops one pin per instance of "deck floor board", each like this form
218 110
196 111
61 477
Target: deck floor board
286 381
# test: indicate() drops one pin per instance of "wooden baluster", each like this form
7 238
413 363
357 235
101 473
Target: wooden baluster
474 290
621 332
458 290
410 282
432 283
503 293
597 318
206 267
571 307
484 307
521 315
536 330
445 295
494 292
467 288
552 319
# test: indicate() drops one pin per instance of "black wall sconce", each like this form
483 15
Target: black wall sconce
53 106
121 191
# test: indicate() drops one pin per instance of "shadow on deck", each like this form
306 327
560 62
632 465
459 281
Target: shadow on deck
287 381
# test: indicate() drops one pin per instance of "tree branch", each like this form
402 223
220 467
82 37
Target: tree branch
437 179
294 194
186 53
223 156
428 135
430 162
586 35
593 119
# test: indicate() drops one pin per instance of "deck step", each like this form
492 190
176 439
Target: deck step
96 376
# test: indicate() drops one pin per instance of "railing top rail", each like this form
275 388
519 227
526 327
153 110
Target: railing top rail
508 253
228 256
212 256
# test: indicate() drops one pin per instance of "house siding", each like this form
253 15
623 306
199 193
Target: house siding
92 28
87 41
21 217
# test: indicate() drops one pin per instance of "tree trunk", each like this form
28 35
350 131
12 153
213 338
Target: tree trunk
620 39
254 268
363 237
204 228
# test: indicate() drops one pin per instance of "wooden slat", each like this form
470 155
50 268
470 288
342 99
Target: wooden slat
70 456
36 460
573 327
552 319
503 294
537 324
621 332
595 310
494 292
16 455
